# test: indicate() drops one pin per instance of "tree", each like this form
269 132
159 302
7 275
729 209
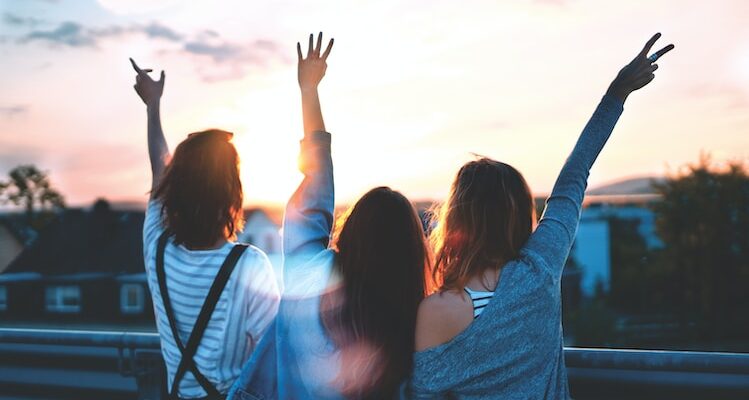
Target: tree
703 220
30 188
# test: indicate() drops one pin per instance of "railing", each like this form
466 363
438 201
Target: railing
112 365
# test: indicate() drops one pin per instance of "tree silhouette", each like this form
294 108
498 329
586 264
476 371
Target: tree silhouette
703 220
30 188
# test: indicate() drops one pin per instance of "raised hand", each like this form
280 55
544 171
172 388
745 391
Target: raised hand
639 72
311 70
148 89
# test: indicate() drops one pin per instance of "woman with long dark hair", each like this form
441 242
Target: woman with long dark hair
494 329
346 322
213 298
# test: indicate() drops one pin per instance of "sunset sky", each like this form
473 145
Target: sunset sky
412 88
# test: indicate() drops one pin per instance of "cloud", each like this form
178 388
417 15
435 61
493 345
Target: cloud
230 60
15 20
67 34
72 34
226 60
13 111
155 30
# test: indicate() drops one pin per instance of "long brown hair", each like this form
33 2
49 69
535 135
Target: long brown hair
383 260
200 191
484 223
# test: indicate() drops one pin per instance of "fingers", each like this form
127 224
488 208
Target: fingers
309 48
135 66
319 44
658 54
163 77
299 51
327 50
650 44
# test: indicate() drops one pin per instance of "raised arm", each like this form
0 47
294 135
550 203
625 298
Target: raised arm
309 213
150 92
556 231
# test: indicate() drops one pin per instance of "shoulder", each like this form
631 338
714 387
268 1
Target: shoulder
258 274
253 255
441 317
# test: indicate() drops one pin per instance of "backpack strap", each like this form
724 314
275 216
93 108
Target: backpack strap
201 323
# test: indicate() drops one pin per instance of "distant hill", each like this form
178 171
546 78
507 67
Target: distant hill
642 185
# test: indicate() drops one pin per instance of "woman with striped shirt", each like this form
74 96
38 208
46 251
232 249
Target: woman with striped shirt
213 298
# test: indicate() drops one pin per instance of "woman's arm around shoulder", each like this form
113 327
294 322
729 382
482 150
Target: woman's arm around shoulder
441 317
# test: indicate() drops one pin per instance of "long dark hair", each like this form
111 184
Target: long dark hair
383 261
486 220
200 191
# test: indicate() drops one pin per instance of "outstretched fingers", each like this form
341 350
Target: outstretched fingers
135 66
314 48
309 48
649 44
658 54
319 45
327 50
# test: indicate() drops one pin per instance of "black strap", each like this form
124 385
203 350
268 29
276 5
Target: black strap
188 352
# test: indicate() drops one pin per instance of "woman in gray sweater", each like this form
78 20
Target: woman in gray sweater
494 329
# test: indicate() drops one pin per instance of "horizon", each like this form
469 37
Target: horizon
515 82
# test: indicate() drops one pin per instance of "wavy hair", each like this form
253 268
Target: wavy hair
486 220
200 191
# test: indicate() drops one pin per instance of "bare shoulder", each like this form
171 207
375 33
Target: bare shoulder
441 317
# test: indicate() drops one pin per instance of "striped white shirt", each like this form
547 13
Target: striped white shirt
480 300
245 308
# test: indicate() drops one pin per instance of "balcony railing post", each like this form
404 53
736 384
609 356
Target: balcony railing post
150 375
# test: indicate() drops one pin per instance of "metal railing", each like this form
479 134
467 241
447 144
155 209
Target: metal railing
135 356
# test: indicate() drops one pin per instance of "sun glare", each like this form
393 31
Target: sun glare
267 134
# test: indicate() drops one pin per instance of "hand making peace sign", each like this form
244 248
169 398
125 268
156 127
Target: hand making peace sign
639 72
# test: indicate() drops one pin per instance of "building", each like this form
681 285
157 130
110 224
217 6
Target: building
10 246
262 229
15 234
592 249
86 266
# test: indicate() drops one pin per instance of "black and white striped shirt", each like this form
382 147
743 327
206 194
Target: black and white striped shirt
245 308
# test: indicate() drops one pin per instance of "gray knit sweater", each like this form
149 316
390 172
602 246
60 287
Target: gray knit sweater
514 350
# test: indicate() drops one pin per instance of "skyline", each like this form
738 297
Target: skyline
407 103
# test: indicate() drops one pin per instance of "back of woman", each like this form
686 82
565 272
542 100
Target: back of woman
494 330
213 298
346 321
512 350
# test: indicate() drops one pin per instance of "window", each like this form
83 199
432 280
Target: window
131 298
3 298
63 299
